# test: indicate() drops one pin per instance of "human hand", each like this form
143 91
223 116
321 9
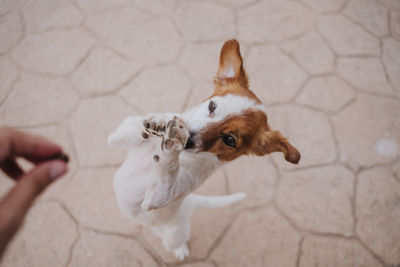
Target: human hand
29 185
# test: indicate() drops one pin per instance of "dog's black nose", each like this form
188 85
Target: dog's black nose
191 142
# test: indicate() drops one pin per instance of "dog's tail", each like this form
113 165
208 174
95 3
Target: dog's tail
216 201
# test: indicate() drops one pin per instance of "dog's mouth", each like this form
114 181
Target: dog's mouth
191 142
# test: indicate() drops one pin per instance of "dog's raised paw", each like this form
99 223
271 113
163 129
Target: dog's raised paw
176 135
154 125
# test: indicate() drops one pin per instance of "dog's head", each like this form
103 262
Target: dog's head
232 121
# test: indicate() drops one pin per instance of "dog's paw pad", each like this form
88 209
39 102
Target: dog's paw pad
156 158
176 134
145 135
154 126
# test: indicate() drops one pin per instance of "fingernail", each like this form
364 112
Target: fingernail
57 170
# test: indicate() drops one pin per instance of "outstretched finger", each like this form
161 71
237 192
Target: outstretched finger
32 147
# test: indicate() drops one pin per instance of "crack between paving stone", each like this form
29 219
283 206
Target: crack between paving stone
220 238
322 36
361 26
294 61
334 137
82 60
358 90
353 202
385 70
23 33
299 252
116 90
105 45
13 84
372 253
142 242
78 235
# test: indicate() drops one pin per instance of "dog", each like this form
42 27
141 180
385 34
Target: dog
171 155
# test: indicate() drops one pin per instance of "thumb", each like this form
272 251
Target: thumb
18 201
20 198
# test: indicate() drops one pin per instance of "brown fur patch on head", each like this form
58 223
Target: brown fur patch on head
244 128
252 135
250 129
273 141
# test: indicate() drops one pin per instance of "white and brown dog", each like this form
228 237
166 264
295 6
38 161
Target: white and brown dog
171 155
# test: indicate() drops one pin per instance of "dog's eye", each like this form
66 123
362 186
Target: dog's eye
229 140
212 106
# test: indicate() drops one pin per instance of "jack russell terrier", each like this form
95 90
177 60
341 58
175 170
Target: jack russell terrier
171 155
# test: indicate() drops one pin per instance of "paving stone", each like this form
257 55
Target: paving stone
210 21
365 74
96 249
259 186
391 59
58 134
97 6
395 25
312 53
331 252
237 3
274 77
347 38
327 93
34 101
325 5
45 52
208 224
274 20
307 130
391 3
159 89
378 213
103 71
91 123
136 35
200 92
44 240
158 7
97 209
8 75
369 13
10 26
201 60
198 264
318 199
271 241
368 131
49 14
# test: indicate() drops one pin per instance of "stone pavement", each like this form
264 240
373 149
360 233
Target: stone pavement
327 70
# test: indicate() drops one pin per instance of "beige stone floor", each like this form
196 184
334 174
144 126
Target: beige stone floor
328 72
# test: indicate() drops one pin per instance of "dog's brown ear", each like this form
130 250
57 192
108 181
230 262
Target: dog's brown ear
273 141
231 64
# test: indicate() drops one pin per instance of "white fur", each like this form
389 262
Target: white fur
173 207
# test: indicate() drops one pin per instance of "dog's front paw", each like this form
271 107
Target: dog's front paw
176 135
154 125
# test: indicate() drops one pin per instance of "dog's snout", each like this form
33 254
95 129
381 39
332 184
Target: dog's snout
191 142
